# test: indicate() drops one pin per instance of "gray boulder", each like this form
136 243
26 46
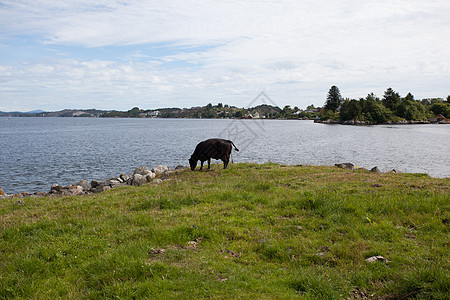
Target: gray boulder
376 258
180 167
138 180
124 177
150 176
346 166
75 190
142 171
95 183
85 185
112 182
375 170
160 169
56 188
102 188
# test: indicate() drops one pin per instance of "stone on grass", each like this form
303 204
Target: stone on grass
376 258
345 166
375 170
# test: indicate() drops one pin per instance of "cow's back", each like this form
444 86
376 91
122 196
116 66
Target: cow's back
212 148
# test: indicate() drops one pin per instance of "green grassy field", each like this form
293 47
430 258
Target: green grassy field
249 232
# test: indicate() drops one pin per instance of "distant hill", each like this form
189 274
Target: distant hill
62 113
209 111
35 111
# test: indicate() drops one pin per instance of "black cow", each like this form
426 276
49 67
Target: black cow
212 148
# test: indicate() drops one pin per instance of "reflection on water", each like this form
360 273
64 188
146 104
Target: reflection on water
37 152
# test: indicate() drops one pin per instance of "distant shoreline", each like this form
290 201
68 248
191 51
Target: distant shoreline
363 123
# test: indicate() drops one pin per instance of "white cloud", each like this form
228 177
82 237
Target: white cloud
294 50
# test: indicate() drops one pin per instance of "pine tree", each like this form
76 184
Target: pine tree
334 99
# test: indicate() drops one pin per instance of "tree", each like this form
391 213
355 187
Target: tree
441 108
409 97
448 99
350 110
391 99
334 99
238 114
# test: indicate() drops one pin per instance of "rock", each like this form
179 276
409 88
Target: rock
102 188
95 183
40 194
124 177
165 176
375 170
393 171
150 176
138 180
2 193
56 188
157 181
160 169
376 258
346 166
142 171
180 167
113 182
75 190
158 251
85 185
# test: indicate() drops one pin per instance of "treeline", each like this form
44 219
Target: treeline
392 108
219 111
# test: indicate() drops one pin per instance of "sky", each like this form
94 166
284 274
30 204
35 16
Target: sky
117 54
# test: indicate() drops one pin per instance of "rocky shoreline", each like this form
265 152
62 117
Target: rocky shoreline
140 176
364 123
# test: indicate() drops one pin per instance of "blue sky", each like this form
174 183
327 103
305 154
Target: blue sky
119 54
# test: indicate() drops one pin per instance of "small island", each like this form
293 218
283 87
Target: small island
391 109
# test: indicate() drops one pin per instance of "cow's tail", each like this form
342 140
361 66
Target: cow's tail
235 148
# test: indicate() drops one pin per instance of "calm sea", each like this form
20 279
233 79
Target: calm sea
37 152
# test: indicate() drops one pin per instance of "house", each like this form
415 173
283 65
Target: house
154 114
439 119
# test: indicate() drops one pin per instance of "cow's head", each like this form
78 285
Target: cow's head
192 163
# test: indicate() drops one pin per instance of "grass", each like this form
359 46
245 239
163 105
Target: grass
251 231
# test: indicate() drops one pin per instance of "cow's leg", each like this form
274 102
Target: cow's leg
226 160
209 163
201 164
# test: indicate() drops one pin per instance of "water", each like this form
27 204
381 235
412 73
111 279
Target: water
37 152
